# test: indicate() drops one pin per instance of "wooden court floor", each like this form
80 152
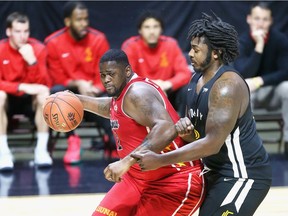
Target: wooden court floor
83 205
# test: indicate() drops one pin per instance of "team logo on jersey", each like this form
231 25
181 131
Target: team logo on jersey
196 134
226 213
88 54
5 62
114 124
140 60
115 108
195 114
65 55
163 60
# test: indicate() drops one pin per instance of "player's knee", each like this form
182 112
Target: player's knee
283 89
42 95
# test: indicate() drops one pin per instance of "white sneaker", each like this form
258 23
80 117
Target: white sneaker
42 159
6 161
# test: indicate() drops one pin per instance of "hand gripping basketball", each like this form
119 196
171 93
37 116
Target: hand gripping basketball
63 111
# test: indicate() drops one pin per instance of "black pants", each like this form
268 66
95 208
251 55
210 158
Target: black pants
233 196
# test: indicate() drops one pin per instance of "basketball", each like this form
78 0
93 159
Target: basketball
63 111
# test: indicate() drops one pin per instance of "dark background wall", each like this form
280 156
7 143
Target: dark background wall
117 19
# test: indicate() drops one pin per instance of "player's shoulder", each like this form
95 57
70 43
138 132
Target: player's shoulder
3 43
36 44
168 39
142 87
55 36
230 79
131 41
95 32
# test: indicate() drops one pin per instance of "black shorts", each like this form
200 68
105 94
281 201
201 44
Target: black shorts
233 196
20 105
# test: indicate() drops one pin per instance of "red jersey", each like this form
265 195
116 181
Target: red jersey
129 134
166 61
69 59
14 70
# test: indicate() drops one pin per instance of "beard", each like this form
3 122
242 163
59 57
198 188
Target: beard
205 63
76 35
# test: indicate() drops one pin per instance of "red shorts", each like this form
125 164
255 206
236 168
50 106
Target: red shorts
179 194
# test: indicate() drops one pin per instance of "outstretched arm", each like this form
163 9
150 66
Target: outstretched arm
97 105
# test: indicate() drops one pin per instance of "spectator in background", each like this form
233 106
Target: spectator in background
73 63
159 58
263 62
23 86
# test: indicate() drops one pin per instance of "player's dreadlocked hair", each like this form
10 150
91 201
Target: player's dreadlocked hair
219 35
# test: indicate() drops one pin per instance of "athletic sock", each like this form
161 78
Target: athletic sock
4 144
42 141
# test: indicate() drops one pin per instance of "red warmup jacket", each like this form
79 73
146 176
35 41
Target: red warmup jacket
166 61
69 59
15 70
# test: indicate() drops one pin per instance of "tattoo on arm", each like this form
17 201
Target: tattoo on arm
143 108
219 110
104 107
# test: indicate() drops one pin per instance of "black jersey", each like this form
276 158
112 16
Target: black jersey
242 155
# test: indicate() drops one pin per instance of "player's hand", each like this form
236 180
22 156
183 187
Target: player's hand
258 35
84 87
27 53
147 160
33 89
254 83
184 127
114 171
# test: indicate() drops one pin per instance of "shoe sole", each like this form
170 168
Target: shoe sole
6 169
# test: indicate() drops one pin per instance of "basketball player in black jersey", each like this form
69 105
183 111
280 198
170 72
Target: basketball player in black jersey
219 127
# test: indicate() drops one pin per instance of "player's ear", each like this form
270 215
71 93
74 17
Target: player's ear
67 22
8 32
128 70
216 54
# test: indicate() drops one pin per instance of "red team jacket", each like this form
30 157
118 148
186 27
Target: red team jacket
129 135
69 59
14 69
166 61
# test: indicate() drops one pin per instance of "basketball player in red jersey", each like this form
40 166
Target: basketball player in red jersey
140 116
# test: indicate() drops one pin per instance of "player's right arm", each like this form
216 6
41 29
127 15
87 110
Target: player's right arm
97 105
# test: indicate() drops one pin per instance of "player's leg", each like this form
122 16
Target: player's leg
41 155
178 194
121 199
230 196
6 159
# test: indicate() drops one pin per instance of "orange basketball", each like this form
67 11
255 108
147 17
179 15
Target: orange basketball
63 111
